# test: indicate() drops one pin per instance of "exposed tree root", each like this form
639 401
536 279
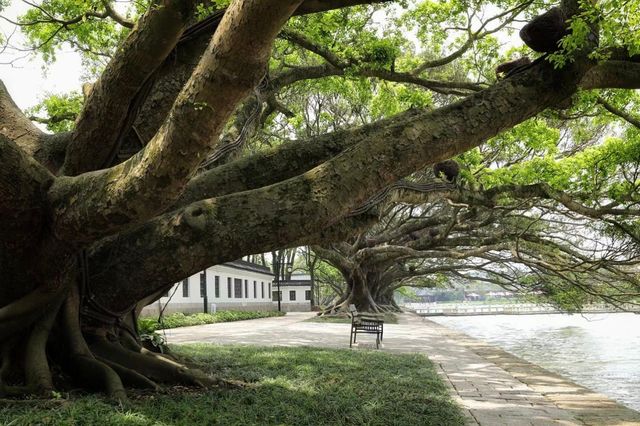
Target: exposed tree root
37 371
114 358
156 368
82 364
6 390
22 313
97 376
129 377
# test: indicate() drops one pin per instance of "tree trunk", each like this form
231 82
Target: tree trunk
367 291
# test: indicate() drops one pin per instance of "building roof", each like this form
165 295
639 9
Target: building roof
248 266
295 282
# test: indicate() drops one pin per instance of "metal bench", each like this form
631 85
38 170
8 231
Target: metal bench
365 323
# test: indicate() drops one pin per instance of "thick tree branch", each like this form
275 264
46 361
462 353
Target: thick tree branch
278 164
105 112
102 203
16 126
23 183
619 112
315 6
47 149
173 74
612 75
245 222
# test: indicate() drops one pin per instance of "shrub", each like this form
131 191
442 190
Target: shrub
148 325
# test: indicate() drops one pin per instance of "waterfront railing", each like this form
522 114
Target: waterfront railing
431 309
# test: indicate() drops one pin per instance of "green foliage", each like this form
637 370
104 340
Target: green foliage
60 110
288 386
594 170
96 38
148 325
156 339
408 293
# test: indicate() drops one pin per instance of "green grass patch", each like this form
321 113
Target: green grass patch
389 318
149 324
287 386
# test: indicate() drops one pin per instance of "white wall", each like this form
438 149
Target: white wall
194 302
300 303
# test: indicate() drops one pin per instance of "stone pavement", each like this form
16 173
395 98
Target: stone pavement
493 387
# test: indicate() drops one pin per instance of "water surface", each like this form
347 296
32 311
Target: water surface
599 351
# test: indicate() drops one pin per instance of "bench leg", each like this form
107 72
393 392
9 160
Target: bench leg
355 335
377 341
351 338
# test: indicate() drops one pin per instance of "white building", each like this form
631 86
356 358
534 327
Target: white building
295 293
237 286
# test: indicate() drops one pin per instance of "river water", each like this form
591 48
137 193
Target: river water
599 351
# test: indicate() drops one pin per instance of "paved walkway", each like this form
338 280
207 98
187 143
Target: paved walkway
493 387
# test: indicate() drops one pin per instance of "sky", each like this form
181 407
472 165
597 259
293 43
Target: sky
26 79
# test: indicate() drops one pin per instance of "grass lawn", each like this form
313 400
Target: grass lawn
286 386
389 318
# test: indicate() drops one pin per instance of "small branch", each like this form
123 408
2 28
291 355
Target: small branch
303 41
619 112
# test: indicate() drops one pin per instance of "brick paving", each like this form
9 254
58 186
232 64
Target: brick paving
493 387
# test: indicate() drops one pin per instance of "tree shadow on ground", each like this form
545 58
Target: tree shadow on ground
291 386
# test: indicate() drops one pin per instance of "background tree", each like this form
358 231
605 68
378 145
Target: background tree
521 237
143 190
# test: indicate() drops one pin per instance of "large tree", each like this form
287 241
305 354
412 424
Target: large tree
102 219
531 239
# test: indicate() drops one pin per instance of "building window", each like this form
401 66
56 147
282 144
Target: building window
203 284
246 288
217 287
229 294
292 295
274 296
255 291
307 295
269 288
237 288
262 287
185 287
